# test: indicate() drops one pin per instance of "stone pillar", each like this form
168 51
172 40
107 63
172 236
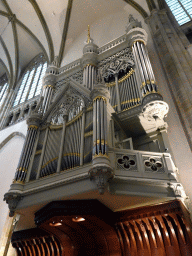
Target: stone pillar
101 171
171 45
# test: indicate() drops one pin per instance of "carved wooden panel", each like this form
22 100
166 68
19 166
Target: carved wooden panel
86 227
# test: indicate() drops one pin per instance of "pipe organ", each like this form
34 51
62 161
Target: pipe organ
87 112
79 128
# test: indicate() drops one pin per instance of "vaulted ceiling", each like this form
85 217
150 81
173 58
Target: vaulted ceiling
30 27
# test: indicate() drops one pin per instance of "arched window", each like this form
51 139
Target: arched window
3 89
31 83
181 9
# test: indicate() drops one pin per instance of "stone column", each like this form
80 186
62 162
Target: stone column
171 45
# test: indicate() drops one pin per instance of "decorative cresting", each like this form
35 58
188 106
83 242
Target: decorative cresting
89 62
33 125
137 38
112 69
101 171
49 84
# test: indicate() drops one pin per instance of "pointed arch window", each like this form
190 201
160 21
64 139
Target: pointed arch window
31 83
181 9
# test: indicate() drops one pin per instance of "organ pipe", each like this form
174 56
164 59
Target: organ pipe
82 137
89 75
23 164
100 126
117 92
144 68
62 142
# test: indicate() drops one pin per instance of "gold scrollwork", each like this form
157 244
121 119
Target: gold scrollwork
147 82
130 101
126 76
33 126
131 107
139 41
88 153
131 71
99 98
49 162
72 154
87 134
48 86
88 125
98 142
89 108
22 169
100 155
88 65
75 118
18 181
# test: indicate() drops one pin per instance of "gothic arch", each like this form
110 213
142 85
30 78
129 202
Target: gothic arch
11 136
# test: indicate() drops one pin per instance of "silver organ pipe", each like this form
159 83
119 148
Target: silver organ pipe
129 92
23 164
144 68
99 130
89 75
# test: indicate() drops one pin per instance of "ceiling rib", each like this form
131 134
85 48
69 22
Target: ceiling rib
65 30
15 36
137 7
8 58
19 23
45 28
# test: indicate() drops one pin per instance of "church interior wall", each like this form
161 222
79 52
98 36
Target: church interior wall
9 157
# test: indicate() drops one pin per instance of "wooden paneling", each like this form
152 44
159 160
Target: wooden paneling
159 230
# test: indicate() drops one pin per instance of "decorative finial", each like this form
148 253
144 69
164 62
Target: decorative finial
56 61
88 35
